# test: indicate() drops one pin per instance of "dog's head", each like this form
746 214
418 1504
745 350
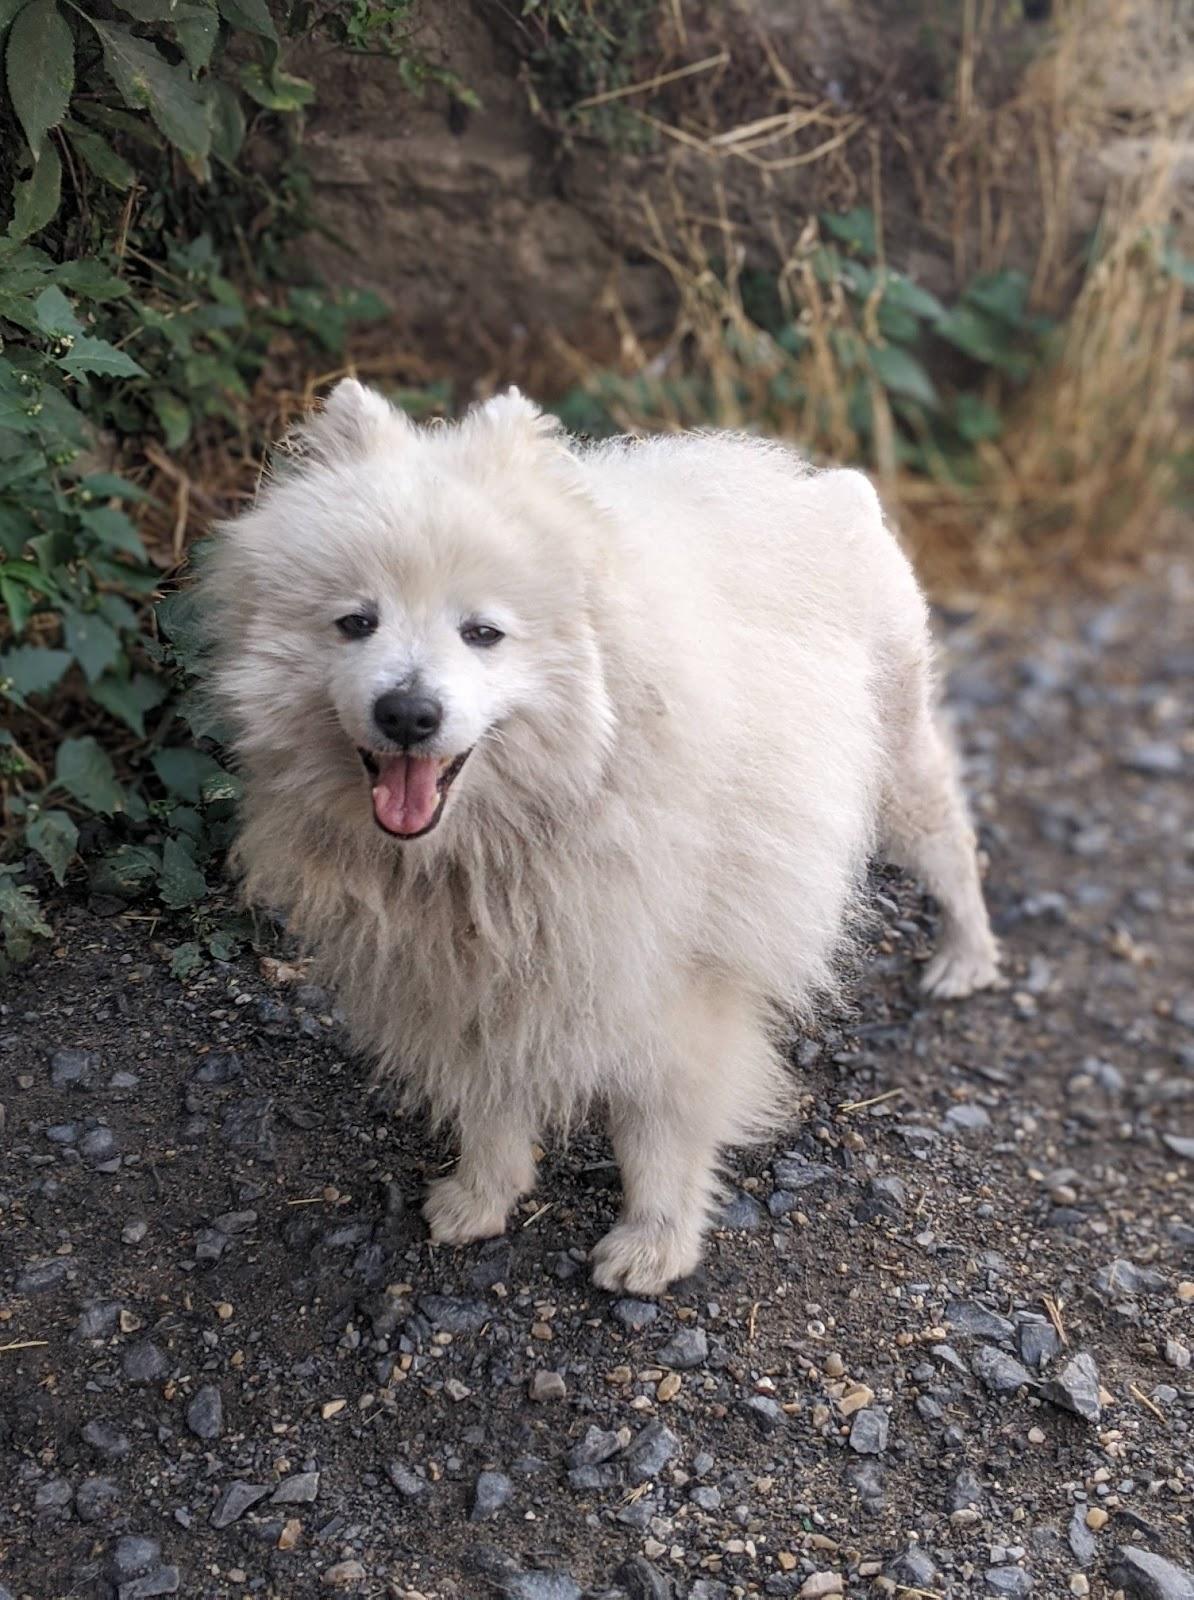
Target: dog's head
404 619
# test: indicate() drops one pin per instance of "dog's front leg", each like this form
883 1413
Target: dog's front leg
496 1166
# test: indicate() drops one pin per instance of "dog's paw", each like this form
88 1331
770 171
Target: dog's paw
457 1214
954 973
643 1258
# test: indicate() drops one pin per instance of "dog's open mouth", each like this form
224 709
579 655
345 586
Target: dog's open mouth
409 792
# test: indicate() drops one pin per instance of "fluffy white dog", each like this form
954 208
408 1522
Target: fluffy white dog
568 763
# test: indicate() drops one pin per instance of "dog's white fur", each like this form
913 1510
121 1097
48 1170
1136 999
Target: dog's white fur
712 704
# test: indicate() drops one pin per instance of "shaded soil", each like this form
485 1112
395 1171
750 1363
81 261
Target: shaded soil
213 1270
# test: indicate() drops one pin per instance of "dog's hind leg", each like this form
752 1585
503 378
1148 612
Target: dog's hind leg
496 1167
926 828
720 1084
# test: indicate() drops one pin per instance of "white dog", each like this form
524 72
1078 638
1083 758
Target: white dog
568 762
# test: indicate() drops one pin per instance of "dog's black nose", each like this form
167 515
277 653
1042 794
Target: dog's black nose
407 716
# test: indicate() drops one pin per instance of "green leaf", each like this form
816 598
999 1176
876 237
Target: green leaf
275 90
85 771
8 10
1002 295
187 958
974 333
183 771
854 228
20 916
99 157
174 417
228 122
225 786
94 643
117 611
41 70
91 279
181 882
15 530
252 15
902 374
162 10
107 486
54 836
148 81
905 295
55 315
31 669
113 528
975 420
98 356
128 699
197 36
126 871
37 198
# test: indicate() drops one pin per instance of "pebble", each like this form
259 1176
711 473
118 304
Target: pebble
1145 1576
687 1348
541 1586
236 1499
768 1414
40 1276
300 1489
1000 1373
820 1584
868 1435
648 1454
634 1315
641 1580
449 1314
546 1386
741 1213
1081 1540
596 1446
144 1362
1011 1581
205 1414
1126 1278
96 1498
1076 1388
165 1580
107 1440
968 1317
343 1575
73 1069
966 1119
56 1495
134 1555
1038 1343
134 1231
408 1484
490 1493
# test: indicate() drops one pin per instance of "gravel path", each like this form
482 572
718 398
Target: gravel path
940 1347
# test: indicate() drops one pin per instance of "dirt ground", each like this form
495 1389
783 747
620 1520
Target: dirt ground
940 1347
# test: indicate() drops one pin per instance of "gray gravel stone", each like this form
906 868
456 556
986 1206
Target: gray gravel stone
1000 1373
1012 1581
1038 1343
767 1414
54 1496
596 1446
868 1434
1145 1576
642 1581
74 1069
798 1172
966 1119
1076 1388
1080 1539
37 1277
144 1362
98 1146
491 1492
687 1348
164 1580
134 1555
236 1499
449 1314
1179 1146
634 1315
546 1386
106 1439
205 1413
541 1586
96 1498
408 1484
99 1320
1122 1278
300 1489
742 1213
968 1317
218 1069
650 1452
914 1568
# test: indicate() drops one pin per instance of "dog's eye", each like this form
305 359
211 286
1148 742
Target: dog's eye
357 625
481 634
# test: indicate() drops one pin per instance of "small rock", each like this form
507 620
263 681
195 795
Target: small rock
643 1581
966 1119
999 1372
56 1495
134 1231
868 1435
1076 1388
768 1414
1145 1576
205 1414
1080 1539
595 1447
490 1493
687 1348
135 1555
408 1484
99 1320
648 1454
449 1314
107 1440
545 1386
343 1575
1038 1343
98 1146
1122 1278
298 1490
968 1317
210 1245
741 1213
1179 1145
237 1498
820 1584
914 1568
164 1580
635 1315
96 1498
73 1069
40 1276
1012 1581
541 1586
144 1363
1154 759
218 1069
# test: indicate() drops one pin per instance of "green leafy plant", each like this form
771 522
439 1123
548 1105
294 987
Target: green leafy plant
120 325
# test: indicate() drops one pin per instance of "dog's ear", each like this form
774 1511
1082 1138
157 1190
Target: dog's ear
351 423
518 424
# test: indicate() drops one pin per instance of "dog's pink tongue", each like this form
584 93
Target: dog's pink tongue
405 796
